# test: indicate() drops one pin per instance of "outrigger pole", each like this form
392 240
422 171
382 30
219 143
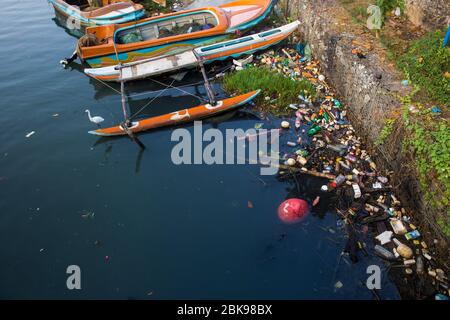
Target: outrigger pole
209 89
127 123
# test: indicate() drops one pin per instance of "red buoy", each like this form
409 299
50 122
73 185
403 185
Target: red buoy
293 210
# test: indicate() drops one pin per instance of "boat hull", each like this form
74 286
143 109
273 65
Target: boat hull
156 51
147 42
181 116
219 51
132 12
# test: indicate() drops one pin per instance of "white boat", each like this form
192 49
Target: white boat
189 59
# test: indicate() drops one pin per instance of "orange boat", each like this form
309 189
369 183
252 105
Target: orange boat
181 116
91 13
169 34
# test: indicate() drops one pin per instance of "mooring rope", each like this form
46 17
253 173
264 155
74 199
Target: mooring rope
148 103
149 92
178 88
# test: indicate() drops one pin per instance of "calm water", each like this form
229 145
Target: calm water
169 231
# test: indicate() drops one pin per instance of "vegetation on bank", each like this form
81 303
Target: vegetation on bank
428 139
426 63
152 7
419 56
358 8
386 131
278 91
430 143
388 6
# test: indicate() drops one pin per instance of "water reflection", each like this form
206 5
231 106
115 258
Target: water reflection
61 21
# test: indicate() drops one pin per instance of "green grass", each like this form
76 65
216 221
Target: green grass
274 85
386 131
387 6
425 63
152 7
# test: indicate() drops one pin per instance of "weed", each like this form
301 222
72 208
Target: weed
281 89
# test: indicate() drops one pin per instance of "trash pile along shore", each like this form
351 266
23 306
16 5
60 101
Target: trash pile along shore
327 146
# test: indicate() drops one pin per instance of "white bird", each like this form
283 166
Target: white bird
97 120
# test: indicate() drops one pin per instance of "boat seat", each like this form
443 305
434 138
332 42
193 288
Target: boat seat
182 25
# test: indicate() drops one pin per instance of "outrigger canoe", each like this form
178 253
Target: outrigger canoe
181 116
169 34
189 59
91 13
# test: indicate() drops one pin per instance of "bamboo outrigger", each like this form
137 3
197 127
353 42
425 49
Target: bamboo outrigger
130 128
178 117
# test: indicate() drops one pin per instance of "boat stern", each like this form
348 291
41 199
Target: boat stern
245 14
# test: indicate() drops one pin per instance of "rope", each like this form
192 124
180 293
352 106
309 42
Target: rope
148 103
149 92
178 88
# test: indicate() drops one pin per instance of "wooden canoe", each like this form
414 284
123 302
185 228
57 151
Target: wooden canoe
181 116
108 12
219 51
171 33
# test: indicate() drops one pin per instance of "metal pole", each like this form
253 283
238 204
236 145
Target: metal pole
122 93
127 123
209 90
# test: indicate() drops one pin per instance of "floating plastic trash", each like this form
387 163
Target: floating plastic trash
293 210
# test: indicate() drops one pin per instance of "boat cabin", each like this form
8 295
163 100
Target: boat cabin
173 26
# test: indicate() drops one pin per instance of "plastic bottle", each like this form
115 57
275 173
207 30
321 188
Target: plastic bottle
419 265
340 179
384 253
313 130
339 148
403 250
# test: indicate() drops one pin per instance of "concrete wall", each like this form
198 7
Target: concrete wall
430 14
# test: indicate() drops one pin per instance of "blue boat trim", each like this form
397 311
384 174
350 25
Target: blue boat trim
229 43
237 55
124 55
269 33
159 20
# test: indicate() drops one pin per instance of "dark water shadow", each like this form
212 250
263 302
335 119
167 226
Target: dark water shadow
61 22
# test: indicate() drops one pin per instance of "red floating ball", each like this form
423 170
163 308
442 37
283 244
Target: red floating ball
293 210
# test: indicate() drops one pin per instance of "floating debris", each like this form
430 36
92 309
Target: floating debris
338 285
330 147
88 215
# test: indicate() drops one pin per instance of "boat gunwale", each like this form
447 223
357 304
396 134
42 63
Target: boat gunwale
217 31
222 29
165 18
71 11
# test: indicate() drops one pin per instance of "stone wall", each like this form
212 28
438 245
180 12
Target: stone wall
430 14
